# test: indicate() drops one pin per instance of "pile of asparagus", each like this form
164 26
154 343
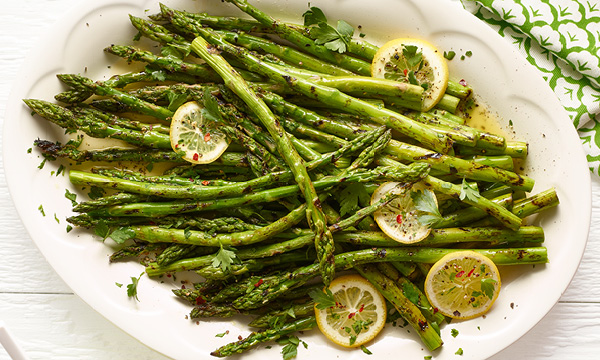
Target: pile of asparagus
287 206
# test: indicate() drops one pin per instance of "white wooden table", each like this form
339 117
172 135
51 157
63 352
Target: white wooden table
50 322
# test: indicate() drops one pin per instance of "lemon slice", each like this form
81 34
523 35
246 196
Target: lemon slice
399 219
358 315
413 61
195 136
463 284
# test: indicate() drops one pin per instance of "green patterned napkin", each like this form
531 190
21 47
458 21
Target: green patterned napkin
561 38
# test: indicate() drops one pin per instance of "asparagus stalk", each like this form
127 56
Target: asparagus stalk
412 292
408 174
268 250
355 65
301 310
91 126
409 311
202 192
256 338
330 96
440 237
269 291
314 214
98 88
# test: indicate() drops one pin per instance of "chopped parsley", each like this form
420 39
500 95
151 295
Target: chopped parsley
449 55
132 288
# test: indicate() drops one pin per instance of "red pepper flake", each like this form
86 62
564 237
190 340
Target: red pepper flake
362 307
405 72
205 182
183 287
176 146
196 156
399 219
435 310
463 82
351 315
470 272
259 283
207 137
240 337
461 273
200 300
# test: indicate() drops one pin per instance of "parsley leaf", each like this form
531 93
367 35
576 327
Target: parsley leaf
351 197
425 201
224 258
122 234
41 209
365 350
290 349
488 286
132 288
222 334
335 39
459 351
454 332
96 192
323 299
101 229
467 192
175 100
413 55
449 55
411 293
69 195
314 16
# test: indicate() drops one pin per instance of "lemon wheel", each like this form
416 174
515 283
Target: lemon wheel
463 284
400 218
359 313
413 61
197 138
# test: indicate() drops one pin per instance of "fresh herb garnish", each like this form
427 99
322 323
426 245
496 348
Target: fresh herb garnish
467 192
290 348
102 229
365 350
121 235
424 201
412 55
224 259
335 39
449 55
487 287
323 299
459 351
132 288
73 197
351 197
41 209
454 332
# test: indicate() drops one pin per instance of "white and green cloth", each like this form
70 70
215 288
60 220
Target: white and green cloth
561 38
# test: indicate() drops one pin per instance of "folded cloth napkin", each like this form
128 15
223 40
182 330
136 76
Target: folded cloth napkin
562 40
